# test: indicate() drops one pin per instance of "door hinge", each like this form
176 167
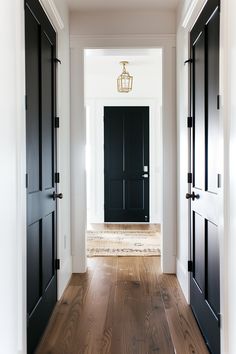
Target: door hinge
57 264
219 320
26 102
26 180
218 180
28 319
218 102
190 122
188 61
190 177
57 177
190 266
57 60
57 122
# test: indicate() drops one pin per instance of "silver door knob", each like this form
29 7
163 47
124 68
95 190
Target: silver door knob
145 175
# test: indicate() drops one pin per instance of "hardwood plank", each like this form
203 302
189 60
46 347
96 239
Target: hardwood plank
184 330
122 305
124 227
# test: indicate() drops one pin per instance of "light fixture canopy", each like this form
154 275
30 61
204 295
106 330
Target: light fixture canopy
125 80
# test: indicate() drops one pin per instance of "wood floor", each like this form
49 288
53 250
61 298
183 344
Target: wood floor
124 227
123 305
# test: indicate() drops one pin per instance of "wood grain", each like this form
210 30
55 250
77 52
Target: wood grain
122 305
124 227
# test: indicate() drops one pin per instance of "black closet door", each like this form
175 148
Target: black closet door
126 153
40 41
205 275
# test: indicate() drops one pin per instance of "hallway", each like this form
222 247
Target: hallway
122 305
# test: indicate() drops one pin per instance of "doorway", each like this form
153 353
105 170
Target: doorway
124 151
126 164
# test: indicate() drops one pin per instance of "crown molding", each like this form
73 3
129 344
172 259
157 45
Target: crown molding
53 14
192 13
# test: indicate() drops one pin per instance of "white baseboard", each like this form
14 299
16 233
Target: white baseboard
168 264
79 265
182 275
64 276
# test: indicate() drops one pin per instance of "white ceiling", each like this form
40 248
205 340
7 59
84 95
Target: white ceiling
88 5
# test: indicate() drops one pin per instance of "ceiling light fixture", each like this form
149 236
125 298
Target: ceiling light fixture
125 80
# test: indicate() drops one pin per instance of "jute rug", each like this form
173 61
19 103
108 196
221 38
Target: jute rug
123 243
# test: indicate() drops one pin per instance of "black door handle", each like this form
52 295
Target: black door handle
192 196
55 196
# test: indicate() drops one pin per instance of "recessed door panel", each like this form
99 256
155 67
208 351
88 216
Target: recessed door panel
199 250
33 105
48 249
213 267
199 106
116 194
212 106
47 112
135 194
34 273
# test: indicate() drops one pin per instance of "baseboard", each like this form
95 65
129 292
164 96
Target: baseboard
79 265
182 275
64 276
168 264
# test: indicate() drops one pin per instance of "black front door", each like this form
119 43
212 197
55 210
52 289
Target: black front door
205 275
40 42
126 153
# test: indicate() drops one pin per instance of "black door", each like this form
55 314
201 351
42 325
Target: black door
40 41
205 275
126 152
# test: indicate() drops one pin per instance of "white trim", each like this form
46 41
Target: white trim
78 130
183 275
192 13
21 169
155 141
53 14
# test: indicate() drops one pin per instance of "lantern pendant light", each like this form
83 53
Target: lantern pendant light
125 80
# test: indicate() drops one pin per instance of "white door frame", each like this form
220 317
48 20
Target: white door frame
95 134
78 139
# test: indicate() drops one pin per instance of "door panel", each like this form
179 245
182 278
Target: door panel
213 269
47 112
40 43
199 250
126 136
199 127
205 278
213 87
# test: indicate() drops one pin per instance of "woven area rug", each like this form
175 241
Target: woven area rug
123 243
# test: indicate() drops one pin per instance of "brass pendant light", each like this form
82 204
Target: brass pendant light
125 80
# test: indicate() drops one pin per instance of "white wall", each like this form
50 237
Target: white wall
101 71
12 208
120 22
13 168
228 239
